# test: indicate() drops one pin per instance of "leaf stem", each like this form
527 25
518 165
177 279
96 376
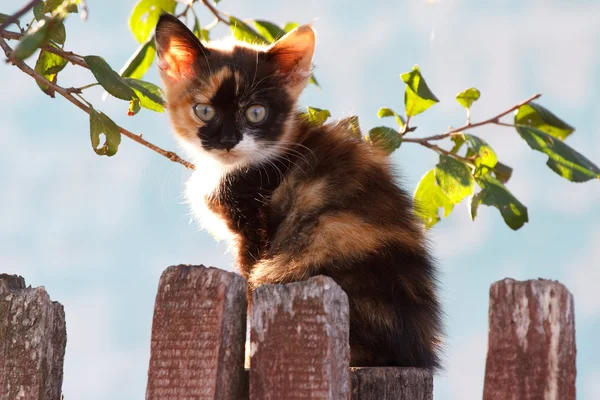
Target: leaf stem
405 128
69 96
504 124
82 88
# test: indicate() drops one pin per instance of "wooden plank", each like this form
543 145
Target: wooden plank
32 342
299 341
198 335
391 383
531 349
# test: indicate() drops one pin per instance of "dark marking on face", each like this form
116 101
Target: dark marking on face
248 80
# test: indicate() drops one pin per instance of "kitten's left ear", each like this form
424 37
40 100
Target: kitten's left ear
177 47
293 55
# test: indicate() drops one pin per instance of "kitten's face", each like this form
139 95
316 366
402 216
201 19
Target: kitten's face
232 103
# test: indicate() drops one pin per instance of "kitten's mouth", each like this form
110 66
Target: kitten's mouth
227 157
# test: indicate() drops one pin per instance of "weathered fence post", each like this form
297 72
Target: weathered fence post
32 342
531 350
198 335
299 341
391 383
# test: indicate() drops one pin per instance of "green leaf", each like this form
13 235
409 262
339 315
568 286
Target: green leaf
429 197
388 112
269 30
290 26
485 156
49 65
417 95
454 178
317 115
34 39
562 159
149 94
52 5
145 15
242 31
494 193
502 172
353 126
536 116
39 10
58 33
109 79
458 140
140 61
385 138
313 80
200 33
467 97
101 124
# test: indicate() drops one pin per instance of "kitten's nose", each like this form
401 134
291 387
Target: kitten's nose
229 142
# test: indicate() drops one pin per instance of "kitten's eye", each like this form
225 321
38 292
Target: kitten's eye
205 112
256 113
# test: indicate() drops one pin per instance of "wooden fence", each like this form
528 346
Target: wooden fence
298 343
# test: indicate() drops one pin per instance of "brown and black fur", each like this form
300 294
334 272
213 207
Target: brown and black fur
327 204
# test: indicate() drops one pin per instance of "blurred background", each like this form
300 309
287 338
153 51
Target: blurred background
97 232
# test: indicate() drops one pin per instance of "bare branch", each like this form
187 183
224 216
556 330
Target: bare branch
493 120
69 96
438 149
218 14
15 17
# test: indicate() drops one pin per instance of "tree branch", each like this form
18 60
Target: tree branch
15 17
438 150
216 12
67 55
493 120
67 95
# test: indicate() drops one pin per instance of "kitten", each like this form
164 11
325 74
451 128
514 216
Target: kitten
296 199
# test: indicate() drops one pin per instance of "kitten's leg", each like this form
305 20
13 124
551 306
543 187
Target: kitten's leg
394 313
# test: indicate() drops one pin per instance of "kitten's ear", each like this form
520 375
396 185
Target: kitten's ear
293 55
177 47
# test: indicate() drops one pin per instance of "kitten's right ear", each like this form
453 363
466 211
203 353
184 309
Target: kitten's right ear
177 48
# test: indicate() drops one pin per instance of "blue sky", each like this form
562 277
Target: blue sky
97 232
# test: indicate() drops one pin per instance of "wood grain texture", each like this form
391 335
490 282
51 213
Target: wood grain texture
391 383
198 335
32 342
299 341
531 349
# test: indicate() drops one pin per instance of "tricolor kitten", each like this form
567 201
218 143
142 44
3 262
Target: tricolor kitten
295 199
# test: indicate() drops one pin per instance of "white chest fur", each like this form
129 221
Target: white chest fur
203 183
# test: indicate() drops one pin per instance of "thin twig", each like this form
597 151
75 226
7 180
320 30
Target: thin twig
493 120
15 17
65 93
216 12
67 55
82 88
438 149
185 11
